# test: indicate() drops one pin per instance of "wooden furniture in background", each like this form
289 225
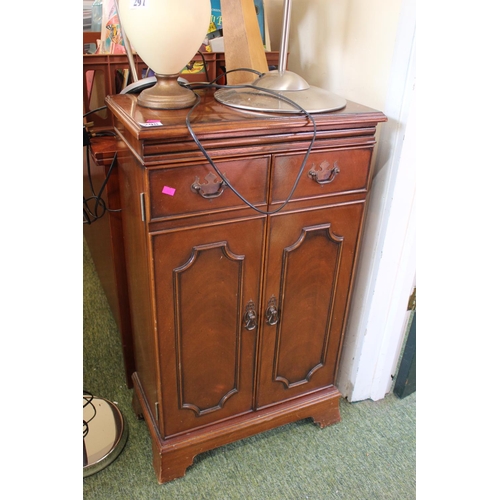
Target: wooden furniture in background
91 37
104 238
237 315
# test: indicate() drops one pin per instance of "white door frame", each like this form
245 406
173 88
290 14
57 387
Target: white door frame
387 267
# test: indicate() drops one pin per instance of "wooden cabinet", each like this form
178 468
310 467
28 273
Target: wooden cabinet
309 264
205 276
104 236
238 313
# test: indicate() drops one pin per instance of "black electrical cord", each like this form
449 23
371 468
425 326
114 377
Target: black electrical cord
203 85
205 67
247 70
213 84
94 111
92 214
214 166
88 171
88 398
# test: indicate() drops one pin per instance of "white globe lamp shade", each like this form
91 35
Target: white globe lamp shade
166 34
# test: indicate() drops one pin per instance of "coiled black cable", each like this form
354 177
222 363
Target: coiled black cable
100 208
87 400
91 214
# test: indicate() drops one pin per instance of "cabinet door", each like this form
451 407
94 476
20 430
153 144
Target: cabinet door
309 272
205 278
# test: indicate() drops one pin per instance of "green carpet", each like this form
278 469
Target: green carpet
370 454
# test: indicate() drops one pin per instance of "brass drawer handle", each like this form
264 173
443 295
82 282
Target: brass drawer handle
250 317
322 175
272 316
211 189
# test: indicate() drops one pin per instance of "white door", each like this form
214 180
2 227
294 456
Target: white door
387 268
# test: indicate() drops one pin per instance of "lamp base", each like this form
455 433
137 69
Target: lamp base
166 94
107 434
255 97
313 100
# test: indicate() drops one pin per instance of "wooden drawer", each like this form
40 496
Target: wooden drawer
326 173
191 190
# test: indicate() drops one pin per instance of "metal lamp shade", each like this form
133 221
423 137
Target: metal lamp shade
281 91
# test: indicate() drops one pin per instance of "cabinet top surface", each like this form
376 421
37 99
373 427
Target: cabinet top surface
212 117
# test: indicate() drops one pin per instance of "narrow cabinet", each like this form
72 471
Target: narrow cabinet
239 279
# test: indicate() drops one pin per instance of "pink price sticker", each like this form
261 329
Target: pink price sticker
168 190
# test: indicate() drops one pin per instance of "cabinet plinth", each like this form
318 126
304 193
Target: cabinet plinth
238 311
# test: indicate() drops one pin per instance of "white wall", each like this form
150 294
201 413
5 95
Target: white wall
344 46
363 50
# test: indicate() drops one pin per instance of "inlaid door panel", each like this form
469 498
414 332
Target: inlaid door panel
207 280
310 262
